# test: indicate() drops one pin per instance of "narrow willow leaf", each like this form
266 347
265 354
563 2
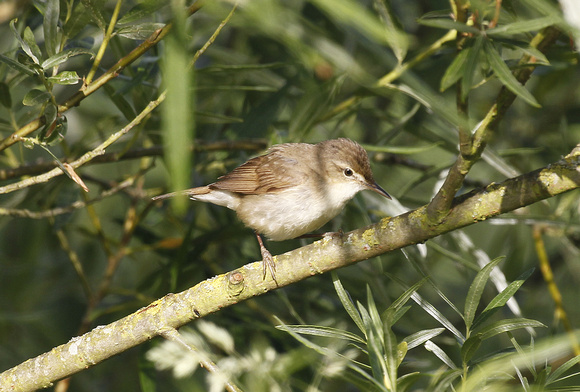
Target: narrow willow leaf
394 29
23 44
439 353
65 78
375 345
471 64
438 316
63 56
559 372
504 74
120 102
476 290
139 32
94 8
347 302
79 19
374 313
501 299
508 325
392 356
16 65
401 150
141 10
455 70
352 13
418 338
35 97
327 332
448 24
325 352
402 349
28 37
392 313
523 26
50 25
470 347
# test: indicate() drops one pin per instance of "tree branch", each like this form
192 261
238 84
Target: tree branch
87 90
471 150
198 146
332 252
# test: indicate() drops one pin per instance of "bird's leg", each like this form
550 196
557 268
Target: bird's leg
267 259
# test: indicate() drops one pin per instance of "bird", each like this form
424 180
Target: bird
291 190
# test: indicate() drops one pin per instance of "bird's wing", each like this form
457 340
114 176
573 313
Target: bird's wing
268 173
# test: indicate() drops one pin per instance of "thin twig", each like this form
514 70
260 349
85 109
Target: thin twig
23 213
87 157
471 150
87 90
198 146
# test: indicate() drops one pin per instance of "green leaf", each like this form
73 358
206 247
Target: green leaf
523 26
65 78
504 74
393 310
35 97
347 302
50 113
392 355
439 353
94 8
400 149
28 37
139 32
17 66
448 24
50 25
391 315
79 19
5 96
23 43
57 133
63 56
142 10
418 338
120 102
501 299
375 345
327 332
354 14
508 325
556 374
393 27
471 64
476 290
438 316
455 70
470 347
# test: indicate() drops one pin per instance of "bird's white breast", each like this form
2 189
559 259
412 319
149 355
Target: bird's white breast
293 212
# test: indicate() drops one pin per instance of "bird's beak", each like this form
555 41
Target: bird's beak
375 187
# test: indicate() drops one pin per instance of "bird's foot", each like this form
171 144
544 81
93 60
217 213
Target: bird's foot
267 259
268 263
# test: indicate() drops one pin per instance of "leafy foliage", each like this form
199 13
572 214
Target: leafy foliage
132 98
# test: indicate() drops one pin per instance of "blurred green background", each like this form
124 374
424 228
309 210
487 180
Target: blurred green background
290 71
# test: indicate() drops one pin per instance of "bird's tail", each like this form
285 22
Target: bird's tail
188 192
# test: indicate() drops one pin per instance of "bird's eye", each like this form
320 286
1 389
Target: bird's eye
348 172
